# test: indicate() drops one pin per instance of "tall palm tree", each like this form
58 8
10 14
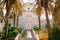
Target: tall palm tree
18 19
38 11
19 9
8 7
56 14
9 4
45 5
14 18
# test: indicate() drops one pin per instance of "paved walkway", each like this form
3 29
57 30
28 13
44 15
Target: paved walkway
27 35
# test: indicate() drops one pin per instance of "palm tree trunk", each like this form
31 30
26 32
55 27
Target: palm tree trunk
39 21
17 20
6 19
14 19
48 23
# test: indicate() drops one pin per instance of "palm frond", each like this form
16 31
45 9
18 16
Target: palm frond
38 9
18 7
1 15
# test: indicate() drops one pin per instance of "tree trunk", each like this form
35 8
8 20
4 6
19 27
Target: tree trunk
6 19
17 20
14 19
39 21
48 23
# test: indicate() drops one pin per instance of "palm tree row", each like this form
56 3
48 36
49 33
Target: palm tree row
44 3
40 3
9 5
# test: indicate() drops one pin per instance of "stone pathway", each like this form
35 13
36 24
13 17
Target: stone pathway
27 35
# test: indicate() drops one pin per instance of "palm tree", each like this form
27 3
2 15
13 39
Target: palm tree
18 18
45 5
9 4
38 11
56 14
14 17
19 9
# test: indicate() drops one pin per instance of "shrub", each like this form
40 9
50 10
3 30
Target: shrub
55 33
11 32
1 20
36 28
